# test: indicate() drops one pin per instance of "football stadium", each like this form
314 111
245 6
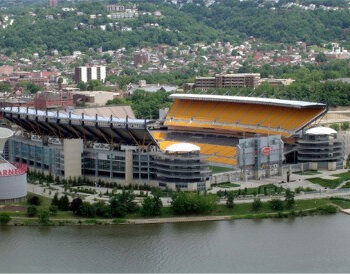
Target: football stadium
248 137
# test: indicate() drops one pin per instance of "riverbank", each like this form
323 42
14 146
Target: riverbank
301 208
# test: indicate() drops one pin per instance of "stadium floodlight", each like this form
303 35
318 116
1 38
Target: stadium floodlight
5 133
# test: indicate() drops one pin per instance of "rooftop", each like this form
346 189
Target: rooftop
320 131
72 116
182 147
248 100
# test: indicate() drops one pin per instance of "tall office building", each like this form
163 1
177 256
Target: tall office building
85 74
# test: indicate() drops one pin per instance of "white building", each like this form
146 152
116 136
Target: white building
85 74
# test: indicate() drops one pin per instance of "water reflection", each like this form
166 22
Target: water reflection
307 244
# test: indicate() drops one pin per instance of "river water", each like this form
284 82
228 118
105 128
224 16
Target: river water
308 244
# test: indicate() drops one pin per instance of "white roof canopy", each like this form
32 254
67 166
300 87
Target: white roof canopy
247 100
320 131
182 147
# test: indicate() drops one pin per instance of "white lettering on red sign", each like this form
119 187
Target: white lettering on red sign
266 151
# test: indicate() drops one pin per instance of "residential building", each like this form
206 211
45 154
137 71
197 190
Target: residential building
85 74
53 3
141 57
238 80
49 99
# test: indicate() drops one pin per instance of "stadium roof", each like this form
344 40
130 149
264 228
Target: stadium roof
66 115
248 100
111 130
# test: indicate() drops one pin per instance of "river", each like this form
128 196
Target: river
308 244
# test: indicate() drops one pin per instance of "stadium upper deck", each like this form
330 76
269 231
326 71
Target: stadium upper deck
241 114
109 130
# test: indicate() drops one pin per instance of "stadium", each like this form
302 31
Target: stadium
13 176
249 137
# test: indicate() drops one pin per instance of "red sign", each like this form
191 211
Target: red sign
266 151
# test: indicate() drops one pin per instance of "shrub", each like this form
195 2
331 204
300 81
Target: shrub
75 205
55 200
102 210
123 203
230 198
257 204
87 210
334 126
276 204
53 210
344 126
31 211
34 200
192 203
4 218
44 217
63 203
327 209
289 198
151 206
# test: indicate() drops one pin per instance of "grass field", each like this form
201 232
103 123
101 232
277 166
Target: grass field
342 202
341 177
270 190
347 185
226 185
307 172
218 169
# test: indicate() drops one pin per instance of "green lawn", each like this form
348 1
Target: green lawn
226 185
331 183
243 209
270 190
325 182
342 203
218 169
347 185
307 172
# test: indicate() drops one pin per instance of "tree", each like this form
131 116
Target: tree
44 217
63 203
102 210
335 127
34 200
344 126
192 203
276 204
4 218
82 86
230 198
151 206
321 57
87 210
55 201
123 203
75 205
257 204
289 198
53 210
31 211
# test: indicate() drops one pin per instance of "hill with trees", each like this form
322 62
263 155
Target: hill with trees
41 29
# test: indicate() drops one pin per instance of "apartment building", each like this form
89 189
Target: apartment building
237 80
85 74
